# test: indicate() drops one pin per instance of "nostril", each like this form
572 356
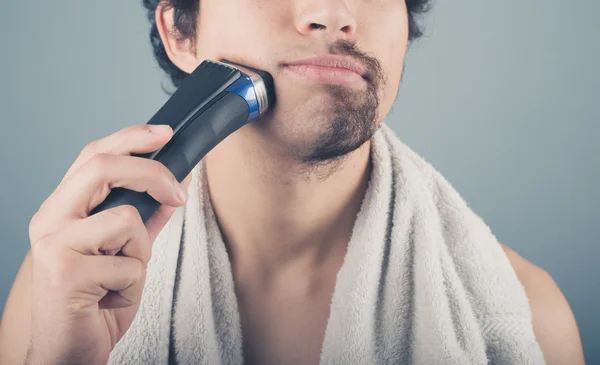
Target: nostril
317 26
345 29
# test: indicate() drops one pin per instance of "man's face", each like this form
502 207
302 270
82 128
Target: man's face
317 116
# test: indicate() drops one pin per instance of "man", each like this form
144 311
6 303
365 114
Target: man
305 168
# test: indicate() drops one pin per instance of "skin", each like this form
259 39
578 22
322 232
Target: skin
302 213
301 191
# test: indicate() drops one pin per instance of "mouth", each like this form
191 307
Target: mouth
329 69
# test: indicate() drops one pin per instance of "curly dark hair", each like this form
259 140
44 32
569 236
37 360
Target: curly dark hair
186 12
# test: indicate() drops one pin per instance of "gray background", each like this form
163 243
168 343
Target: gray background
500 96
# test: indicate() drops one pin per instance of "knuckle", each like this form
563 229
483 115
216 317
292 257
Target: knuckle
137 273
159 176
146 250
139 270
142 239
128 214
168 177
99 161
159 168
33 229
169 181
90 147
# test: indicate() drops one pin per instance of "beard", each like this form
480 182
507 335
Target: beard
352 115
353 122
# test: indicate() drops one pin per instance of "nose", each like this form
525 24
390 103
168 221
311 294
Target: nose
325 18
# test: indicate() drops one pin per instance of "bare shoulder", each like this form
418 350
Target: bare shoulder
553 320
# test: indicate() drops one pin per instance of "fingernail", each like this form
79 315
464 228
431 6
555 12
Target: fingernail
158 128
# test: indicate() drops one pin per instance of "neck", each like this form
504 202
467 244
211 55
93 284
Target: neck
275 214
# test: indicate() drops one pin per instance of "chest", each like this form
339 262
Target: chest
287 327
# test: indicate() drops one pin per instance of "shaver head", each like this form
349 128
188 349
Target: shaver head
210 81
263 84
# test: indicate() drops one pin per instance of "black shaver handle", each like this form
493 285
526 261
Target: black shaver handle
226 114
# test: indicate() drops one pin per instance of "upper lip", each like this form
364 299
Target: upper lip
333 61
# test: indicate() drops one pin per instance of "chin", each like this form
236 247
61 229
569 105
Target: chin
314 123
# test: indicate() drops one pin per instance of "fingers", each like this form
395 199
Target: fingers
64 273
79 258
119 280
160 218
133 139
72 265
83 281
75 269
108 232
92 183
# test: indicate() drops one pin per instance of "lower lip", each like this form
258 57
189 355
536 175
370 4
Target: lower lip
326 75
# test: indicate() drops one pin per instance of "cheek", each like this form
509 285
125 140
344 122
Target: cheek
230 29
218 30
392 39
393 63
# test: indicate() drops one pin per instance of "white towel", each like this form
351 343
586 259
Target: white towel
424 281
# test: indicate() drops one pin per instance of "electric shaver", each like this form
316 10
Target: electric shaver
215 100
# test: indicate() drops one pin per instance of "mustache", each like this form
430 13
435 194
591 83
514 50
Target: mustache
374 69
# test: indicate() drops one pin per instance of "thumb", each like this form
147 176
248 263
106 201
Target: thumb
161 217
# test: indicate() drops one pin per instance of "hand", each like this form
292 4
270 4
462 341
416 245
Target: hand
84 296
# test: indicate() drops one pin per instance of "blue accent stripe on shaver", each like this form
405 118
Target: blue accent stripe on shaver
244 88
